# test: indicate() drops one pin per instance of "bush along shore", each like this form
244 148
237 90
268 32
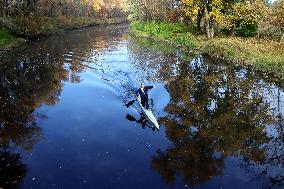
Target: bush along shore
265 55
15 31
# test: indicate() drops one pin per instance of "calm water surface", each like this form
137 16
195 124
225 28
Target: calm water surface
63 123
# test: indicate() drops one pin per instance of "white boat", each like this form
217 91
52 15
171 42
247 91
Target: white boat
148 114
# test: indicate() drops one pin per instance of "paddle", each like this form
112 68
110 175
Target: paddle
130 103
130 118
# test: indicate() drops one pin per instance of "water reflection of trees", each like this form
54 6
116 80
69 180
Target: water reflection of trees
215 112
26 83
34 76
12 170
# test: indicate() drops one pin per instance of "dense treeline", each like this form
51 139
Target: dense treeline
166 10
232 17
53 8
32 18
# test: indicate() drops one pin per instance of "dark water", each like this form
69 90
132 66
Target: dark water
63 123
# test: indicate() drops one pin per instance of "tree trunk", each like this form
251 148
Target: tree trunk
212 28
199 18
282 32
209 23
206 20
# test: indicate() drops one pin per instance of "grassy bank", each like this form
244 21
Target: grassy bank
264 55
15 29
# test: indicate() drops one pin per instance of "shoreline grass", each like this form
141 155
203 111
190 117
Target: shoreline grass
264 55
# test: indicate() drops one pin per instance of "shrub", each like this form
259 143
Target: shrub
161 29
185 39
225 31
246 29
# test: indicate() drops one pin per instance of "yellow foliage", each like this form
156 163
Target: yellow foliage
278 13
98 4
256 11
192 8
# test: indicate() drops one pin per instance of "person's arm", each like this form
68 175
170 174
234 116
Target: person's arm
148 87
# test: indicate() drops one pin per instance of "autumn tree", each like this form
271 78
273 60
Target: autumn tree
250 13
56 8
153 9
227 14
210 10
278 13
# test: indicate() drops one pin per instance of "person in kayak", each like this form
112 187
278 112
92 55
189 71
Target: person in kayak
143 93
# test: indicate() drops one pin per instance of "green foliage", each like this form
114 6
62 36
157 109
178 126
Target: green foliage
186 39
162 10
177 33
225 31
247 29
160 29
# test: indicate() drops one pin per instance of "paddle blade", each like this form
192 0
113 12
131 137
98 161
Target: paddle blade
130 117
130 103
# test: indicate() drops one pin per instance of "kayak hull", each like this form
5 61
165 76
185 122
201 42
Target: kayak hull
149 114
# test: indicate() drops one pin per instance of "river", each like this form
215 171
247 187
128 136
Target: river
64 123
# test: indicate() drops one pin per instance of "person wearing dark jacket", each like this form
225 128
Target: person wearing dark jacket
143 93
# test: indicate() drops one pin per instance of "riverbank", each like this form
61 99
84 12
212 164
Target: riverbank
15 31
265 55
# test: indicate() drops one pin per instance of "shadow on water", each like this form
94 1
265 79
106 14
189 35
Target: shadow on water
141 121
224 123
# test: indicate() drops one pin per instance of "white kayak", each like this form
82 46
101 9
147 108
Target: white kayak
148 113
